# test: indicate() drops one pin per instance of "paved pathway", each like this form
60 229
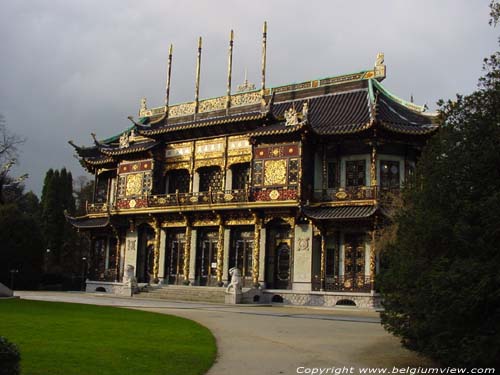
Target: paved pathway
264 340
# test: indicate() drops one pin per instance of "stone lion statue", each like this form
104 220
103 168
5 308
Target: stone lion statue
235 283
129 275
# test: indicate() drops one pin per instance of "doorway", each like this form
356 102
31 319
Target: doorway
206 257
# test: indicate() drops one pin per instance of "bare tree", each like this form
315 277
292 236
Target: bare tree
9 143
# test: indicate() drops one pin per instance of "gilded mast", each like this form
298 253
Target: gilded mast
229 68
169 73
197 83
264 44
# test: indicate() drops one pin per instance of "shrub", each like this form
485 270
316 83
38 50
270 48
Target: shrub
9 358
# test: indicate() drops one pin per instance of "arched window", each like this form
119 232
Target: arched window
210 178
177 179
241 175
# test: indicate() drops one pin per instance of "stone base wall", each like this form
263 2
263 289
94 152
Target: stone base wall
120 289
322 299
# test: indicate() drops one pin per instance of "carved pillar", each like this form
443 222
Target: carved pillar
220 252
372 254
373 166
324 172
117 256
256 250
187 252
156 250
323 259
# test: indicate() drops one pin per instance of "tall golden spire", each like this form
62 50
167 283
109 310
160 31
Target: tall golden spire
264 44
229 68
167 85
197 83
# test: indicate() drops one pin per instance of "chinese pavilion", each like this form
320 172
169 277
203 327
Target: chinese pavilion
285 183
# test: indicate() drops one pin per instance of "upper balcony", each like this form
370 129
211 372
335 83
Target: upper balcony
205 199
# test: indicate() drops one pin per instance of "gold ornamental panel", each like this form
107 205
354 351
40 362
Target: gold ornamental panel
275 172
238 159
134 184
219 162
215 104
246 98
181 109
179 165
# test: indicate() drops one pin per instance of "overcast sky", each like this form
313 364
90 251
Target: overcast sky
69 68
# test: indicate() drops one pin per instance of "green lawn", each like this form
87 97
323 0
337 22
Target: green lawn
74 339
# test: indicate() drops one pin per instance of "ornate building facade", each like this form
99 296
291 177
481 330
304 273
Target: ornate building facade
285 183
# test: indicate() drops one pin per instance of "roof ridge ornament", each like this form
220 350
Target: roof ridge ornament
380 68
246 86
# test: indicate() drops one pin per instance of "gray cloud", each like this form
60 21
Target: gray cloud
70 68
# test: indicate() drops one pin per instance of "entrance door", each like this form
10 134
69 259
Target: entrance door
174 260
206 258
354 263
240 254
279 257
282 271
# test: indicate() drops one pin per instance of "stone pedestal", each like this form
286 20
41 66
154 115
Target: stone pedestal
232 298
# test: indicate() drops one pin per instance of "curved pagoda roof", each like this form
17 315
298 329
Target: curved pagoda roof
341 105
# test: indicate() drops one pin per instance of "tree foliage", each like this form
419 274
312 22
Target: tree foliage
57 197
440 283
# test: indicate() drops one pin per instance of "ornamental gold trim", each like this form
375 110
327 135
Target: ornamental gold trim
275 172
134 184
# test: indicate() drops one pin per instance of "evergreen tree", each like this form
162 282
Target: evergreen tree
440 282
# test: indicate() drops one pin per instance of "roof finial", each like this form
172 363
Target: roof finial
197 82
246 86
167 85
264 45
379 68
143 108
229 68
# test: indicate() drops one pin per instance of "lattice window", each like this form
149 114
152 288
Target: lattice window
293 171
355 173
122 186
178 180
101 190
147 184
241 174
389 174
257 173
210 178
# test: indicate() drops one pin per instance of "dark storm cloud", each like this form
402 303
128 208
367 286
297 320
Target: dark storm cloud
69 68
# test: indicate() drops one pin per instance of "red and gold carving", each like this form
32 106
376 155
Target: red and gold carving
135 166
276 151
275 195
132 203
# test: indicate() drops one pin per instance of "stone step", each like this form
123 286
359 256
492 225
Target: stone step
186 293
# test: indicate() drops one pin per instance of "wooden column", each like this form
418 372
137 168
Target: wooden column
324 172
323 259
373 165
372 254
117 257
256 250
156 250
220 252
187 252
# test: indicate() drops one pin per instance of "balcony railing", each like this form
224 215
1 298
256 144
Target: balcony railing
346 194
351 283
96 208
203 197
354 193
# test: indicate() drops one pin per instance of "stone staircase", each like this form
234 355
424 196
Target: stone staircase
184 293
